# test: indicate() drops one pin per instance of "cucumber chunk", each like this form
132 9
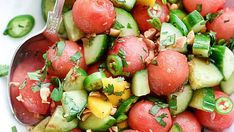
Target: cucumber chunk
125 4
125 106
224 59
73 103
41 126
194 21
175 128
203 99
95 48
168 34
58 123
181 99
97 124
175 20
94 81
201 45
228 85
125 23
73 32
140 84
74 79
179 13
203 74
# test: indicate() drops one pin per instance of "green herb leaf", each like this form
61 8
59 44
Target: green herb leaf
109 89
231 44
48 64
156 23
173 102
118 25
119 93
4 69
154 110
75 57
22 85
199 7
60 48
154 62
34 75
57 93
211 16
13 129
122 55
129 26
160 120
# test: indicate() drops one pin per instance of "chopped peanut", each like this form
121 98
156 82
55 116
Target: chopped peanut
114 32
45 93
149 34
150 57
174 6
180 42
149 43
190 37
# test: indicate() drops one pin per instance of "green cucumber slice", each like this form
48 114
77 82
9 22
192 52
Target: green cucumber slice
228 85
203 74
203 99
125 4
168 34
201 45
73 103
179 13
95 48
73 32
58 123
40 127
97 124
74 79
175 20
179 101
125 106
224 59
94 81
194 21
20 26
175 128
140 84
125 23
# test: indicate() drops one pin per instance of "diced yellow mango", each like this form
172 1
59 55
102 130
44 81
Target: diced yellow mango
146 2
122 125
120 86
99 107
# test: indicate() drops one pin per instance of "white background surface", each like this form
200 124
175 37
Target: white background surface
9 9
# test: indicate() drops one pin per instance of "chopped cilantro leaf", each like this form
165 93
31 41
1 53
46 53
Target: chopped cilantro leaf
57 93
199 7
173 102
119 93
13 129
129 26
4 69
75 57
160 120
122 55
155 22
164 2
211 16
34 75
60 48
22 85
109 89
154 110
118 25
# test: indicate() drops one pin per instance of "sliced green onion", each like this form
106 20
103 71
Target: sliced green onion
223 105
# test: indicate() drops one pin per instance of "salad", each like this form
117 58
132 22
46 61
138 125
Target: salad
129 65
